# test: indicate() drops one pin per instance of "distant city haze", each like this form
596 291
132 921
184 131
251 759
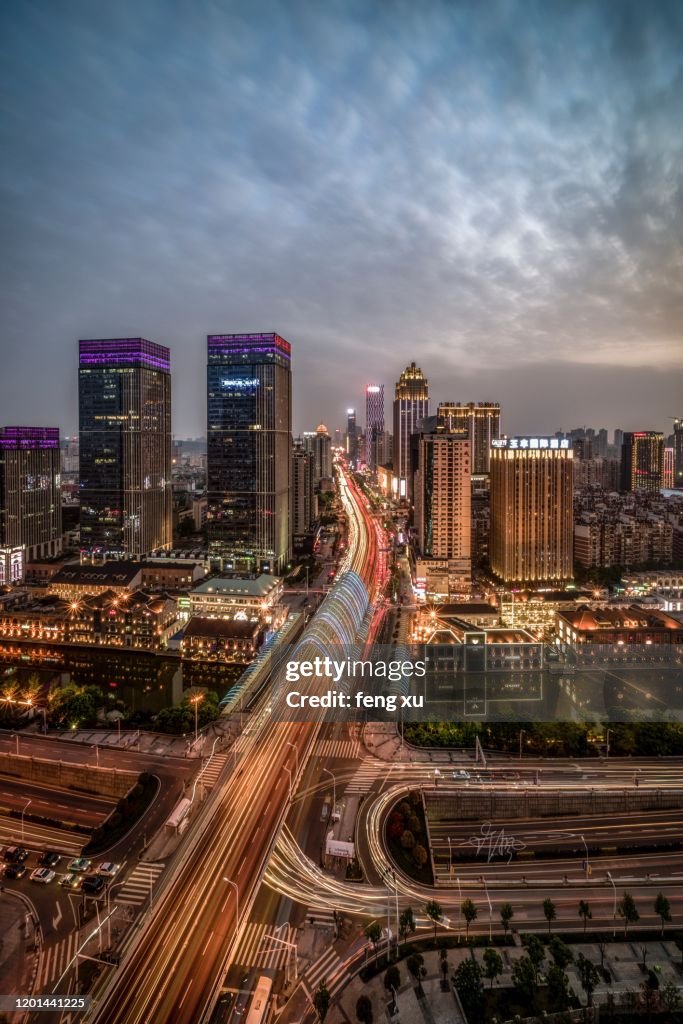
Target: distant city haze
494 192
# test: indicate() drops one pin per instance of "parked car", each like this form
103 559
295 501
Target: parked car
15 854
49 859
15 870
44 875
70 881
93 884
80 864
460 773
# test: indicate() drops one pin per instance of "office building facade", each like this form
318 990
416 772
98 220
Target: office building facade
124 399
30 498
678 453
532 524
642 460
319 444
352 438
442 495
249 442
374 425
302 511
411 406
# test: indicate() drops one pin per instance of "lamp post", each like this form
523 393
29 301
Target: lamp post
195 700
614 908
522 732
289 773
488 899
22 819
237 901
334 789
459 909
296 755
585 846
450 859
607 743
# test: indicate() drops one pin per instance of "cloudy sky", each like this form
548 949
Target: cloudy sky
494 189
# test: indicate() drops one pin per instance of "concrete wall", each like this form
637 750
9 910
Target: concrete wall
102 781
484 805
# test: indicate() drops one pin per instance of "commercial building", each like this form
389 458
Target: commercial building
668 468
124 396
481 421
411 406
319 444
239 596
249 441
30 498
532 525
442 494
75 581
374 425
620 626
352 437
303 497
642 460
237 640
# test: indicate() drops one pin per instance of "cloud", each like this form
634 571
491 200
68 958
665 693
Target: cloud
480 187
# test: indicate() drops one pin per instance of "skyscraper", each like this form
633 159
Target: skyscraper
442 485
351 437
374 425
668 468
249 441
124 396
482 423
302 496
678 452
532 522
642 460
319 444
411 406
30 497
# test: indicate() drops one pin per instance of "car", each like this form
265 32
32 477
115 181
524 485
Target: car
80 864
49 859
15 870
70 881
44 875
460 773
108 869
15 854
93 884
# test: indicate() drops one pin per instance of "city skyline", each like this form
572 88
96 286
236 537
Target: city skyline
498 202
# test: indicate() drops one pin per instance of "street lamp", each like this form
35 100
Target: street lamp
296 755
614 909
334 789
459 909
522 732
450 859
289 773
22 819
585 844
237 901
607 743
488 898
195 700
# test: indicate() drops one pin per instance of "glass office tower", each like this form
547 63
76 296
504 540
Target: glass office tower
124 391
249 442
30 495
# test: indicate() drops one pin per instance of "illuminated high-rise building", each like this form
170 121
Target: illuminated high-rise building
411 406
351 437
642 460
532 523
249 443
30 497
374 426
302 491
319 444
482 423
678 453
668 468
124 398
442 494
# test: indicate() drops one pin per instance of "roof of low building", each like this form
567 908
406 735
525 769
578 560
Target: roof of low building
238 585
109 574
237 629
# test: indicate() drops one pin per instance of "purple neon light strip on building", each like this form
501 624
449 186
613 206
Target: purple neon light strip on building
247 345
124 352
28 438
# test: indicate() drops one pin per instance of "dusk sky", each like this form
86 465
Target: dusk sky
494 189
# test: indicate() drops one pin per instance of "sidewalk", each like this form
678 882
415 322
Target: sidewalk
382 740
157 743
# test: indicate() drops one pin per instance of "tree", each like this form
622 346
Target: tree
670 996
663 909
469 912
629 911
406 923
434 912
536 953
560 952
321 1001
549 912
392 978
364 1010
373 932
493 965
558 988
588 976
524 977
469 985
443 963
415 965
586 913
420 855
506 915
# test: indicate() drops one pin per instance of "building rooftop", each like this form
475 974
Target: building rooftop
238 629
238 585
633 616
109 574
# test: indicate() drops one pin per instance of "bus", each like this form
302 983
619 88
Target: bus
259 1011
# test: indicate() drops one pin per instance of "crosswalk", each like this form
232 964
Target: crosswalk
347 749
262 945
209 776
137 887
327 969
321 918
366 775
54 960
